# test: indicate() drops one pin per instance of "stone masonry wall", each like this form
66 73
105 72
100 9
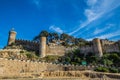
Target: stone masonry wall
111 48
60 50
31 45
9 67
55 50
87 49
17 68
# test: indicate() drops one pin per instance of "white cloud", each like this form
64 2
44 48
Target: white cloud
90 14
109 35
91 2
56 29
97 31
96 10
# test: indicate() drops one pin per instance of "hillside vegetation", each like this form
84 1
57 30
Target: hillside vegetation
63 39
110 62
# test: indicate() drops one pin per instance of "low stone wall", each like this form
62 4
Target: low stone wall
9 67
19 69
16 67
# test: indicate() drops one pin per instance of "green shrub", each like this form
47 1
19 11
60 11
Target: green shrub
119 70
51 58
113 70
74 63
67 59
102 69
29 55
21 51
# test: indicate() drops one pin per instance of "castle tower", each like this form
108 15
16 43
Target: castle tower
11 37
42 48
97 47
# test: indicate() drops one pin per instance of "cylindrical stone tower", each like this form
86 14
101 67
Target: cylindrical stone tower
42 50
97 47
11 37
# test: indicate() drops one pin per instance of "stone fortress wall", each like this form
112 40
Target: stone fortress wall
53 49
28 69
9 67
17 67
99 46
31 45
56 50
110 46
34 46
86 49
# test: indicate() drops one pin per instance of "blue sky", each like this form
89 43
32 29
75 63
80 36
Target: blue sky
81 18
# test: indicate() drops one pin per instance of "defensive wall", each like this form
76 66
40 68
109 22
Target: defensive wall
28 69
27 44
10 67
99 46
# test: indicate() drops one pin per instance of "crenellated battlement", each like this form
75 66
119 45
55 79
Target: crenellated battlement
26 41
48 64
27 44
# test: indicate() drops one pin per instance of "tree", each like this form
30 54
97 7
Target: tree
64 36
92 59
50 37
42 34
80 42
36 38
66 40
56 36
